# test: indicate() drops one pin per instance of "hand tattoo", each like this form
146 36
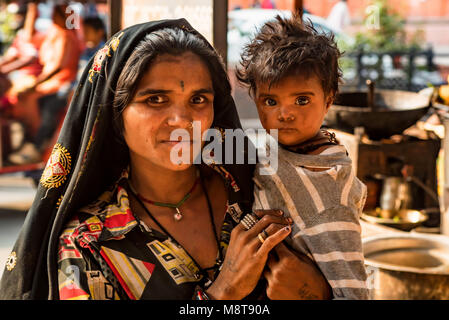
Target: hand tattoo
304 292
230 264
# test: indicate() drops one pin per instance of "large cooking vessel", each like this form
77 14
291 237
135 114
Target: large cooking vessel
407 266
382 113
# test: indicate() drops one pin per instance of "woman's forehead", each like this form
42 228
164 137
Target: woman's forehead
186 70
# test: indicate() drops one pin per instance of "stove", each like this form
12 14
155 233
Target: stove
414 153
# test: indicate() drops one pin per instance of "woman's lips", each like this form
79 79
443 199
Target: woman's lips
175 142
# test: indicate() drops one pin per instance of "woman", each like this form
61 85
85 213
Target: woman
132 242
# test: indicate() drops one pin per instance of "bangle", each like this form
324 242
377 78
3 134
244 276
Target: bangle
200 294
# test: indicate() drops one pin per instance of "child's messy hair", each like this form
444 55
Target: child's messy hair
287 46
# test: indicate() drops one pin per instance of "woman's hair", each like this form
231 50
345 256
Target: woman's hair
173 41
288 46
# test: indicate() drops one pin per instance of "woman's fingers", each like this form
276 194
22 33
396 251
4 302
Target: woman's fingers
266 221
269 243
269 223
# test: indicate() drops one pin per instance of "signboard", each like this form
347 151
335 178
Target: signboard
199 13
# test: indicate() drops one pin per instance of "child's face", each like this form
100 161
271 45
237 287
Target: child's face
92 37
296 106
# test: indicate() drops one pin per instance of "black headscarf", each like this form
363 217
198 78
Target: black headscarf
86 160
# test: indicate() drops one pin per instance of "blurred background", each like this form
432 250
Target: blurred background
391 113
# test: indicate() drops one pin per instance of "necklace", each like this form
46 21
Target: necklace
219 260
178 214
307 147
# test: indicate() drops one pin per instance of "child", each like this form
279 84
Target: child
292 73
94 32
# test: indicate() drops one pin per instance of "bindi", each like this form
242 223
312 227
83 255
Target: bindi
182 85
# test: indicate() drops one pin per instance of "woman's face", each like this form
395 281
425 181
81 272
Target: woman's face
172 94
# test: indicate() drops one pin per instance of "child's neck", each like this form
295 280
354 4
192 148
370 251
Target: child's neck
315 145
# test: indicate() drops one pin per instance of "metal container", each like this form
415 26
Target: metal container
407 266
382 113
404 220
396 194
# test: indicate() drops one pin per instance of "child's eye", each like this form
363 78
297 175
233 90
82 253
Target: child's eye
269 102
302 101
157 99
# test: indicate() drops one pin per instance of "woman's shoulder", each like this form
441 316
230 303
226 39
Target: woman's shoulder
107 217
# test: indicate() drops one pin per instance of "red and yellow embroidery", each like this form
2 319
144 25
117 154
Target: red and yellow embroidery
11 261
58 203
102 54
57 168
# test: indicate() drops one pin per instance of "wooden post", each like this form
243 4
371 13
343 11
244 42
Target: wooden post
298 7
115 16
220 27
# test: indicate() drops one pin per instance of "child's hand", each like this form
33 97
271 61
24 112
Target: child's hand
292 276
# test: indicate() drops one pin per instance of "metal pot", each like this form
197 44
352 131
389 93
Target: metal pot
382 113
407 266
404 220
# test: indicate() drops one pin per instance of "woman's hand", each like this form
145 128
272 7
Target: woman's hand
292 276
246 256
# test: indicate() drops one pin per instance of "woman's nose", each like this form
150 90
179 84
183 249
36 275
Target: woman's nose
179 117
285 114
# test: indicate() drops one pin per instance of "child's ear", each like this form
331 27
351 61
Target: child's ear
329 100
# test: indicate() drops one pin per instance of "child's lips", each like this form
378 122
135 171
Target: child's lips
287 130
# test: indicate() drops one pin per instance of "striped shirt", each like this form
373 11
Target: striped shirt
325 205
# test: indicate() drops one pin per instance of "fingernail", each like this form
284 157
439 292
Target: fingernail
290 220
287 228
280 212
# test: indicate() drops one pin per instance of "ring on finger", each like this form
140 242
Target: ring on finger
245 224
265 233
262 236
249 221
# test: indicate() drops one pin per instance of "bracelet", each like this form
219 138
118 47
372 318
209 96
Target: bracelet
200 294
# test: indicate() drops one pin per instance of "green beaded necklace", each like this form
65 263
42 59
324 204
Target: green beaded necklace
177 215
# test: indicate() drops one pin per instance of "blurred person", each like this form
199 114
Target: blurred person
21 61
268 4
39 105
256 4
19 68
94 32
90 9
339 17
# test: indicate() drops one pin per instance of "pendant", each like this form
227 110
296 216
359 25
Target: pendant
177 215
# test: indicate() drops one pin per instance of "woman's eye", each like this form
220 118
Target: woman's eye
156 99
198 99
302 101
269 102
